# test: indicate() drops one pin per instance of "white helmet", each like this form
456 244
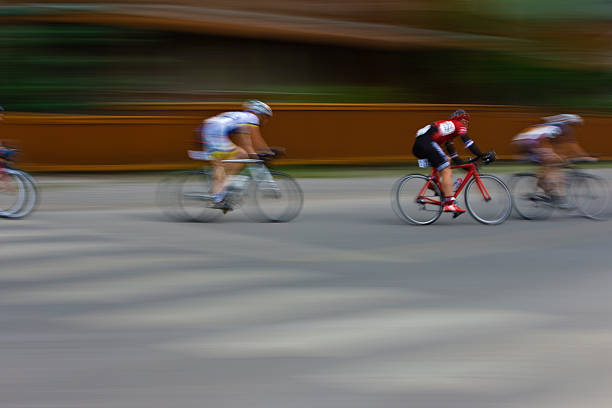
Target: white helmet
565 118
257 107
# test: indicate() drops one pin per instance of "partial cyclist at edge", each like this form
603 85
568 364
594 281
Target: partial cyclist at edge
551 145
6 156
428 146
233 135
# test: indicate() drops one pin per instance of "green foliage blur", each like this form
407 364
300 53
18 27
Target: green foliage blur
65 67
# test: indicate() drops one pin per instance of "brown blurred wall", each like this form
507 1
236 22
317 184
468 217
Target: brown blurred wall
157 136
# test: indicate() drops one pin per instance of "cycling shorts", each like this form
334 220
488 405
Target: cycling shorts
426 148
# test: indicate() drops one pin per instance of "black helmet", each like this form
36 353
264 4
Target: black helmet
460 114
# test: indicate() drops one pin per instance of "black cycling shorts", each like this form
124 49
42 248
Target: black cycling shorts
426 148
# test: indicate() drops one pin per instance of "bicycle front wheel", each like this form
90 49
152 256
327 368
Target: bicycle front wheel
414 202
13 193
530 201
490 202
590 195
279 199
31 195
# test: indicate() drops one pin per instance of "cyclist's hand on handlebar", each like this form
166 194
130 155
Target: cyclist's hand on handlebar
583 159
278 151
489 157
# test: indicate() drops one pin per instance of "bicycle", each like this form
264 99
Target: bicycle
19 193
274 196
417 198
587 194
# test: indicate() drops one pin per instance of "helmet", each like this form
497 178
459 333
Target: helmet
564 118
460 114
257 107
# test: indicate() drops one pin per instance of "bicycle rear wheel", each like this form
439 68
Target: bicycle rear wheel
529 200
414 204
590 195
195 197
187 196
492 209
13 193
277 200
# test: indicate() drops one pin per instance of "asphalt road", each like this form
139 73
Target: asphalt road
105 303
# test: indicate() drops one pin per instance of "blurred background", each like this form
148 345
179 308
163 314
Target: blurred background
75 55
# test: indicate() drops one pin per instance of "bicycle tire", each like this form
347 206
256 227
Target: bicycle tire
187 196
479 208
32 195
278 201
167 195
529 201
590 195
405 200
13 194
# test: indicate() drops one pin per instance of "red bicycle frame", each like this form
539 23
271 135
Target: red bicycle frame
471 172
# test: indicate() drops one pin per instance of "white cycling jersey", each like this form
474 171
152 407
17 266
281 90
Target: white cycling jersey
216 129
536 133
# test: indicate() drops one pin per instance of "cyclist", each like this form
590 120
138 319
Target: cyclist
427 146
551 144
234 135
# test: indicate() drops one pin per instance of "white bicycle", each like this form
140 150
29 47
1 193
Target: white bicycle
270 196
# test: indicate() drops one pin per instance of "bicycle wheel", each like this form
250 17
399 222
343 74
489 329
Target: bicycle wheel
413 205
590 195
31 195
279 200
187 196
491 210
529 200
13 193
195 197
167 196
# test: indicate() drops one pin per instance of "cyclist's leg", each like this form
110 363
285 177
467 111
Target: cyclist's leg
426 148
219 147
551 172
222 172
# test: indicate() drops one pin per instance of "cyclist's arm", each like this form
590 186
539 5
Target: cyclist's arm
469 143
258 142
452 152
571 149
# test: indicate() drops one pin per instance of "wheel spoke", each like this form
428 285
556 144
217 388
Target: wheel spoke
490 203
415 204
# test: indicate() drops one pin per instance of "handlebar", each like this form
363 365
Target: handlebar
276 153
487 158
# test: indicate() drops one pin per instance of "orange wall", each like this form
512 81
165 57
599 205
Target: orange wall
157 136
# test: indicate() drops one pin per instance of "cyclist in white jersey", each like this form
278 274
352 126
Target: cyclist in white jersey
234 135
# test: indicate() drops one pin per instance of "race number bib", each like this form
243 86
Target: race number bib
446 128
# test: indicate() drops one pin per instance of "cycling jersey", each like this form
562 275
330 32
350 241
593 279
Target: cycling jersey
448 130
216 130
535 135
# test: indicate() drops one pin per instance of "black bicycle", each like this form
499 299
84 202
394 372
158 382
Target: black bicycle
585 194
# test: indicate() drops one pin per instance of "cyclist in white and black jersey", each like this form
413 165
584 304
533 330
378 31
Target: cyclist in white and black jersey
234 135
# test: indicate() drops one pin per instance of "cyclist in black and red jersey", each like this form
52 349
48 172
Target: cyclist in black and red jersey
427 146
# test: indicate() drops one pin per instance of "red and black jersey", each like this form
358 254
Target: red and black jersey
448 130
